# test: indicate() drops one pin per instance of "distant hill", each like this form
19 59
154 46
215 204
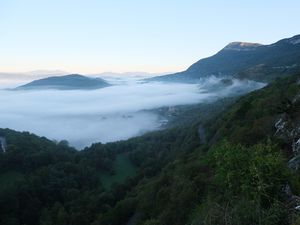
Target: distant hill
68 82
245 60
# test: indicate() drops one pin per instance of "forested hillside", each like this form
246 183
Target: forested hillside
244 172
241 176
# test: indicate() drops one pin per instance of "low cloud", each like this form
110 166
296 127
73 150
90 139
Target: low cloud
109 114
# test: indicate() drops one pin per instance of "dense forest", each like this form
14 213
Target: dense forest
234 162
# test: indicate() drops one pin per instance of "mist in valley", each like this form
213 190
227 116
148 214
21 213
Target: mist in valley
114 113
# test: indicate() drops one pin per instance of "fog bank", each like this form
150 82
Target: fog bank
103 115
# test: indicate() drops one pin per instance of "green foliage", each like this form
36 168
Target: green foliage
255 172
246 186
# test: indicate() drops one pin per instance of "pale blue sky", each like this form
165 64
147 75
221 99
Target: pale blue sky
89 36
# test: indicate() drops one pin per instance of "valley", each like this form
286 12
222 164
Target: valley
215 144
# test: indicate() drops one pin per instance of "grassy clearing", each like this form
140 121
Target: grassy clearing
9 179
123 169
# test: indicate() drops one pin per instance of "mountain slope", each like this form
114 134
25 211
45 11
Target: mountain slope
68 82
245 60
242 180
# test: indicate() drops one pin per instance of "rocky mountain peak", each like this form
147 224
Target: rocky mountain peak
241 46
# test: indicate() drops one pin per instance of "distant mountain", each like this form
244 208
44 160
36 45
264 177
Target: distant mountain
67 82
245 60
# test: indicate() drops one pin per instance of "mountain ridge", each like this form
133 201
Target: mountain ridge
238 57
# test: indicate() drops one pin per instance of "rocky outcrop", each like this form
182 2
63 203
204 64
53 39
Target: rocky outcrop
288 128
241 46
3 144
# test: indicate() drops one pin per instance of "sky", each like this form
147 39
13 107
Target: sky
93 36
